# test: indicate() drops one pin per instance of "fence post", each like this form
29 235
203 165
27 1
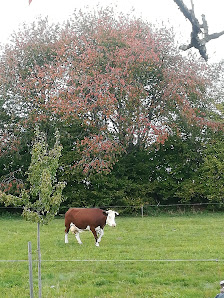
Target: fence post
30 269
142 211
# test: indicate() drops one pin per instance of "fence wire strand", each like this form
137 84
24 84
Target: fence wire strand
137 206
123 260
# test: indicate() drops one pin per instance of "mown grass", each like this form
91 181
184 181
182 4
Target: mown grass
161 256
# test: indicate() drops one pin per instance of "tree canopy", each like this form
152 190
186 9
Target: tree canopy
112 84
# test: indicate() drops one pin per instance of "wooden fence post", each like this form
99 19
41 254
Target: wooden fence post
142 211
30 269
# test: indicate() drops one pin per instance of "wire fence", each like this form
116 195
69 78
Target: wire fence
143 209
139 206
119 261
150 209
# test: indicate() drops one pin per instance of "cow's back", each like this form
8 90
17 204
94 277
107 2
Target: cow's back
83 217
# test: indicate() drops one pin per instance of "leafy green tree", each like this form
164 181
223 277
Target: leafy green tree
42 201
212 171
45 191
211 179
176 166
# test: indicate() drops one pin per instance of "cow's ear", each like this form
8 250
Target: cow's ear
116 213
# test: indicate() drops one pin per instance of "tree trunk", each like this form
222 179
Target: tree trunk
39 260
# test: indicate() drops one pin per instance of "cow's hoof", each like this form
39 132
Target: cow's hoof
97 244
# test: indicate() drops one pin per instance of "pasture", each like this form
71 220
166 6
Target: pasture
164 256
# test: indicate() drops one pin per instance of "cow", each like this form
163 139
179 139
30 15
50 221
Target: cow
88 219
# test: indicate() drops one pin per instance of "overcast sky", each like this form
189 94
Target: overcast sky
15 12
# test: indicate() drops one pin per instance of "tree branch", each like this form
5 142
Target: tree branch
197 28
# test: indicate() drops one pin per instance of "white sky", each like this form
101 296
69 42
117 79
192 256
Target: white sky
15 12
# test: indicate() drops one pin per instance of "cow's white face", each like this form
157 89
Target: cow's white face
111 218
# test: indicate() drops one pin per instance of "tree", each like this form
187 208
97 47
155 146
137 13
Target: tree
117 76
213 171
112 85
42 201
46 194
42 178
197 29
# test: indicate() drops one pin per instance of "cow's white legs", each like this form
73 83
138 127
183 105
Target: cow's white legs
100 233
78 238
66 237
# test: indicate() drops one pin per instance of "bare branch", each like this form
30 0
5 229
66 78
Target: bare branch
197 28
189 14
215 35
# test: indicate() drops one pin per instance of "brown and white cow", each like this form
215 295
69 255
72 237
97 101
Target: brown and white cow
88 219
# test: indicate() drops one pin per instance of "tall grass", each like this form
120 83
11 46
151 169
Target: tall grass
165 256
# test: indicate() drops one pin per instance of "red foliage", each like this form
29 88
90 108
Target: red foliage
99 154
11 187
117 75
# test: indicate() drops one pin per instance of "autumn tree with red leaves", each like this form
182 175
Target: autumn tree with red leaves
114 79
120 77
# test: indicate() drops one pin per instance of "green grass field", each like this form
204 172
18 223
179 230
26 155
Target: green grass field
165 256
